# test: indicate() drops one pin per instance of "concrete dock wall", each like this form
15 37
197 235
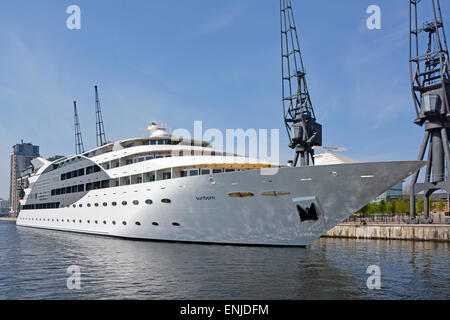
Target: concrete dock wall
391 232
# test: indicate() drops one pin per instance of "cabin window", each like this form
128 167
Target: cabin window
69 175
68 190
81 188
97 185
63 177
166 175
138 223
89 186
75 174
96 204
155 224
166 201
205 171
74 189
229 170
193 173
105 204
58 192
135 202
124 203
89 170
105 184
81 172
217 171
114 223
148 201
114 204
124 223
97 169
175 224
184 173
89 205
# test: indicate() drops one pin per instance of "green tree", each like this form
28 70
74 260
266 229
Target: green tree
390 207
382 207
441 205
420 205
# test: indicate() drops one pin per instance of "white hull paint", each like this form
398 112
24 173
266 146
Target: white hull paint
202 211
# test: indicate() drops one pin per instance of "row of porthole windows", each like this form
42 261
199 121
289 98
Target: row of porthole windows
124 203
175 224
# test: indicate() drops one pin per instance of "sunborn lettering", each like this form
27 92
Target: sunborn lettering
205 198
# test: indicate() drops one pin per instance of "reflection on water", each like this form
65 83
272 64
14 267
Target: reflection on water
33 265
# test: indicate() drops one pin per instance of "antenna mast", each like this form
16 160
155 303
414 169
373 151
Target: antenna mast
100 129
299 117
430 85
79 147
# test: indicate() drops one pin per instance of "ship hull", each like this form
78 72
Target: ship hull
241 208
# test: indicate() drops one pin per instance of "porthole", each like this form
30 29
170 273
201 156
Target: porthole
114 204
104 222
96 222
96 204
138 223
148 201
89 205
74 205
81 206
124 223
124 203
155 223
73 220
105 204
89 221
114 223
175 224
80 221
135 202
166 201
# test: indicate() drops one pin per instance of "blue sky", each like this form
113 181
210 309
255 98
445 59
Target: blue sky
216 61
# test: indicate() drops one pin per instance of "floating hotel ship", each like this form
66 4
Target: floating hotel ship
171 189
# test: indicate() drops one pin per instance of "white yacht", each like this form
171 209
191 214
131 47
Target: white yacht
171 189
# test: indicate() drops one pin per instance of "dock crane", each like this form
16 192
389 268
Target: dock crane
300 120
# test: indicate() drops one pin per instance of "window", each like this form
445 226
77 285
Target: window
89 205
166 175
68 190
89 221
166 201
138 223
80 205
69 175
104 221
155 223
58 192
81 172
105 204
148 201
74 189
135 202
97 169
217 171
97 185
114 223
75 173
124 223
184 173
63 177
193 173
229 170
105 184
96 221
124 203
89 170
175 224
205 171
81 188
89 186
114 204
96 204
